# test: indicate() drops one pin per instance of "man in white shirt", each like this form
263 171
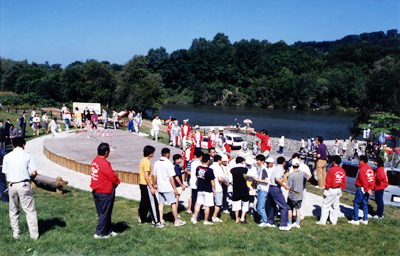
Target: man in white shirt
198 155
219 180
164 176
115 118
156 126
18 167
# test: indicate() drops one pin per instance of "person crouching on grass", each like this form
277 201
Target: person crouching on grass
103 183
205 190
296 180
164 180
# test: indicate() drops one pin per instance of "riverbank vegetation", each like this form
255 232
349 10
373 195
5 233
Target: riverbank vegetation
358 72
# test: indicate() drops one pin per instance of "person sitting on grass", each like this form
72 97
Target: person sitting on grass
205 190
240 196
103 183
296 181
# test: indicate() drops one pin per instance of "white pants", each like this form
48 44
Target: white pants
175 141
156 132
330 204
136 126
22 192
184 139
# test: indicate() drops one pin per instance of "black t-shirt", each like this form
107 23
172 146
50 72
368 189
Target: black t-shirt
178 173
240 189
204 177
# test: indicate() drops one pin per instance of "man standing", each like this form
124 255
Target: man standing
7 130
197 138
219 180
22 123
240 195
262 187
105 118
185 132
164 180
205 190
115 118
335 183
103 184
304 168
321 162
365 183
148 201
156 126
275 196
265 142
212 138
19 166
78 117
193 180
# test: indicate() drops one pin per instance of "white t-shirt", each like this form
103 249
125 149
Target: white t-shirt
163 169
115 117
218 172
198 142
193 181
36 119
45 118
53 125
156 124
281 142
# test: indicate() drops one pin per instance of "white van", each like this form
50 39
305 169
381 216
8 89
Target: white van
234 140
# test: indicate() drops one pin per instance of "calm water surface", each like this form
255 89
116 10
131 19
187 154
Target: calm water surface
293 124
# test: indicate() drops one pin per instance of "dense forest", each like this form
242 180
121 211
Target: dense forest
360 72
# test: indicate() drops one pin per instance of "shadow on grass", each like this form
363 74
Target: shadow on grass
120 227
48 224
317 210
347 211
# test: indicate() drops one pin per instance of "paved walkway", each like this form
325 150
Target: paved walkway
46 167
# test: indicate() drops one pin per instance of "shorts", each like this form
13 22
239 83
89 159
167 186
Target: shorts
218 199
78 121
294 204
205 198
240 205
168 197
266 153
180 190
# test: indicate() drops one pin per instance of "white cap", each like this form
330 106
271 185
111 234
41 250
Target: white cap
196 127
224 158
220 129
295 162
249 160
212 129
270 160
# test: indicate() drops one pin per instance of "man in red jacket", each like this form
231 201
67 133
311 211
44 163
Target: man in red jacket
365 184
334 184
381 182
265 142
103 183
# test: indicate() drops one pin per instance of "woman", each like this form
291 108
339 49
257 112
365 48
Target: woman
337 146
130 124
381 182
45 125
94 119
281 144
88 118
36 123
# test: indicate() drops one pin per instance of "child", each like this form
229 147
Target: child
296 182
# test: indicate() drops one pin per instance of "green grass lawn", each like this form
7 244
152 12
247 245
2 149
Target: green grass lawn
67 224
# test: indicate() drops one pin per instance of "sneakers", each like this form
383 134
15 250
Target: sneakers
179 216
262 225
295 225
354 222
216 219
365 222
377 217
159 225
112 234
320 223
96 236
225 211
207 223
16 235
164 223
179 223
193 220
287 228
269 225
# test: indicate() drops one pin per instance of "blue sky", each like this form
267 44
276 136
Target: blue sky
64 31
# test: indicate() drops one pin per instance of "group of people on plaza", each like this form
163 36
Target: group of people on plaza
260 184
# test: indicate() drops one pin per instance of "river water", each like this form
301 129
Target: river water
293 124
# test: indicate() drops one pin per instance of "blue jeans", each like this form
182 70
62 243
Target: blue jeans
130 126
379 202
361 199
3 186
261 200
280 151
275 197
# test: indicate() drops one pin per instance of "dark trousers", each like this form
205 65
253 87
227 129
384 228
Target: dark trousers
148 202
194 199
104 205
23 131
275 197
3 186
225 205
378 200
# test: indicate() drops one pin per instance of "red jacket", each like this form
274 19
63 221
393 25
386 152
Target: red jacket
103 177
365 177
265 142
193 137
228 151
189 129
191 156
335 178
381 179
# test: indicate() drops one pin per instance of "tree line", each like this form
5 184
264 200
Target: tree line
356 72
